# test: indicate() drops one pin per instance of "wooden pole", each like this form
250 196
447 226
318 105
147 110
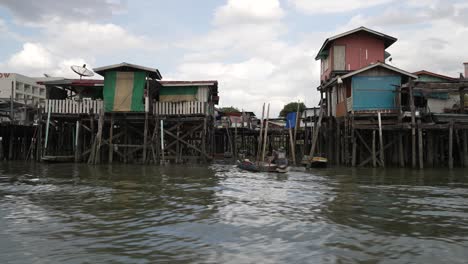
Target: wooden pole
235 140
266 133
47 130
374 159
337 142
465 148
413 125
450 145
163 161
259 149
430 149
145 131
353 138
291 143
420 144
382 157
316 132
295 132
97 157
78 141
111 138
401 150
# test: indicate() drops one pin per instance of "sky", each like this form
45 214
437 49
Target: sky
260 51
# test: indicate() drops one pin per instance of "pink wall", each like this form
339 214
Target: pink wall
356 46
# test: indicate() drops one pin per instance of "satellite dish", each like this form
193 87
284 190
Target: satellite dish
82 71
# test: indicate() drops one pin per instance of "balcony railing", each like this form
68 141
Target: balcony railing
73 106
181 108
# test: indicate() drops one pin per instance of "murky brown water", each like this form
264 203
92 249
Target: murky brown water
133 214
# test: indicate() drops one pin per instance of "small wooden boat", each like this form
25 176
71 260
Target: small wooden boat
262 167
58 159
315 162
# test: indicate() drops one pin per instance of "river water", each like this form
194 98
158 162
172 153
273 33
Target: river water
69 213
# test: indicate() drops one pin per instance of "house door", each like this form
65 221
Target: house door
339 58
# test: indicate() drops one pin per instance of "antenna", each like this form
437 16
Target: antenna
82 71
47 75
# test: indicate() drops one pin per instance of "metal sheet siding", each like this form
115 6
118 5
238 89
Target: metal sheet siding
374 92
362 49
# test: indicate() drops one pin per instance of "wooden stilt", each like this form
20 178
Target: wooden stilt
145 136
259 148
382 157
413 125
401 150
430 149
374 159
465 148
78 141
265 137
420 144
450 154
111 139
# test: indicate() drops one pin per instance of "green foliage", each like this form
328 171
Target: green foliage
229 109
291 107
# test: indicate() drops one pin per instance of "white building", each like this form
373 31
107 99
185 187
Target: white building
25 89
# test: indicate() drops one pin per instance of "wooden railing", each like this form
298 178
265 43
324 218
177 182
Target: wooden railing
181 108
73 106
95 106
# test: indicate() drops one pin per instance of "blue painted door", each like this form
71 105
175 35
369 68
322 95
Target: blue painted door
374 92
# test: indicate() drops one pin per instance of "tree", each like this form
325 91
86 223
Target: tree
229 109
292 107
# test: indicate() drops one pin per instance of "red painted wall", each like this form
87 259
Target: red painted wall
356 46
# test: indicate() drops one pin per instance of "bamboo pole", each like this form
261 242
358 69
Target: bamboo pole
420 144
47 131
316 132
382 157
163 161
413 125
266 133
77 141
291 143
450 145
374 159
260 136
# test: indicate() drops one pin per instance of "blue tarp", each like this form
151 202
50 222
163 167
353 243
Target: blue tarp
291 120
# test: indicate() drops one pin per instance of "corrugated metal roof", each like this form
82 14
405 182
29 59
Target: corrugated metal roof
379 64
423 72
153 73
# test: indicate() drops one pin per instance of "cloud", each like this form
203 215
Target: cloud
333 6
247 11
63 42
247 53
44 10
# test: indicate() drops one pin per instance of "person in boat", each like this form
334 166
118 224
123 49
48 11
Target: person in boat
279 157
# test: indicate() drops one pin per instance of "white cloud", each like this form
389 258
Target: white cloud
63 44
247 54
333 6
248 11
33 56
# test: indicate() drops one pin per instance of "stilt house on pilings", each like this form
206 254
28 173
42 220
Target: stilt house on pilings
373 113
131 116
